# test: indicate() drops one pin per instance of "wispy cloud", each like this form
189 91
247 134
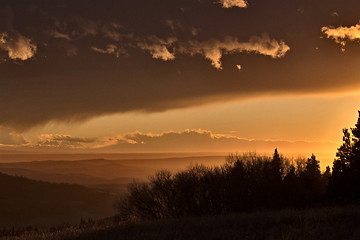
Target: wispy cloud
10 138
111 49
158 47
120 40
78 27
200 140
234 3
188 140
214 49
63 141
114 31
57 34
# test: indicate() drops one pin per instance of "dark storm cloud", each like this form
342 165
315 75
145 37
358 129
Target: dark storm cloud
72 60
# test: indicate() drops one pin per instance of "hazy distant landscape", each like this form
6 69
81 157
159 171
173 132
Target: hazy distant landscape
52 202
112 173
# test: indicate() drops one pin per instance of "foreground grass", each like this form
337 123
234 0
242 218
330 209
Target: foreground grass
320 223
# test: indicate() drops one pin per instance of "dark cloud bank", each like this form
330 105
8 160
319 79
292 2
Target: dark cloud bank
71 60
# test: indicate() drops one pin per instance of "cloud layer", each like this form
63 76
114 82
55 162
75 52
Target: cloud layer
61 141
75 60
189 140
198 140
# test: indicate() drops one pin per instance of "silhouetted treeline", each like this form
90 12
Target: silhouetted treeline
247 182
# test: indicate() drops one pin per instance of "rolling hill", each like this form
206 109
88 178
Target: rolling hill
25 202
109 174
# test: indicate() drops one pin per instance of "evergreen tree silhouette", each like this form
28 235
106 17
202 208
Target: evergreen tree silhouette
344 155
277 166
344 183
355 157
312 167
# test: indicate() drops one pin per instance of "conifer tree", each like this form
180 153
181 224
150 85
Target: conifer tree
344 155
276 166
312 167
355 158
345 180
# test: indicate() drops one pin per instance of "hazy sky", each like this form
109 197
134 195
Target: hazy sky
195 75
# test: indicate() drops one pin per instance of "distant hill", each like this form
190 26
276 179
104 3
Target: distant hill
25 202
102 172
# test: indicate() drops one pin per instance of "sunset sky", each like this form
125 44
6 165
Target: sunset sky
179 75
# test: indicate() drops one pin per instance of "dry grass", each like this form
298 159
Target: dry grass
330 223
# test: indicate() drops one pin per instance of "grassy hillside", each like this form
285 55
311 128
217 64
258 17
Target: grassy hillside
330 223
25 202
314 224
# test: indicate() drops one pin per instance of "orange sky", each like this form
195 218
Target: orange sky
292 124
178 76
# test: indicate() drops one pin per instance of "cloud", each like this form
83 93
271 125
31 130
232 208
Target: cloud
342 34
214 49
199 140
17 46
63 141
69 48
87 27
57 34
300 10
166 48
195 31
158 47
111 49
115 32
234 3
9 138
74 28
171 24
